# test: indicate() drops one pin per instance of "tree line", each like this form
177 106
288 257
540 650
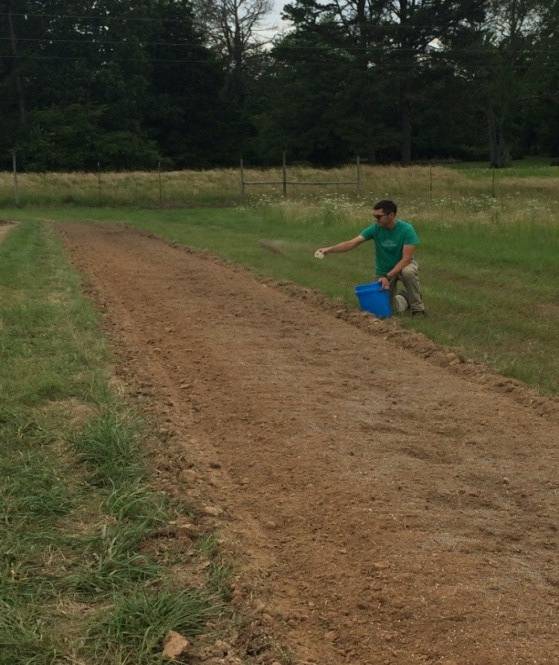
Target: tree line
88 84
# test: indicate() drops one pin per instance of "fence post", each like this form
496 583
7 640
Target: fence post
242 172
430 181
14 169
99 183
284 172
160 183
358 166
493 192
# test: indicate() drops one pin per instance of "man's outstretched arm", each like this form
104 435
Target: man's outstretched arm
344 246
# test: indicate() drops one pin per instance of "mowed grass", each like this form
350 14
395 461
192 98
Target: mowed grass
487 268
77 584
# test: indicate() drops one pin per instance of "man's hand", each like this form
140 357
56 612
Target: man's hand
384 282
342 246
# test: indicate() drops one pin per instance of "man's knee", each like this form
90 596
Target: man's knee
409 272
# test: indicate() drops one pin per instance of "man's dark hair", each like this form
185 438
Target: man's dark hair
387 205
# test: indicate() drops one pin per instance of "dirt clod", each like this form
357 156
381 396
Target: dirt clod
174 645
214 511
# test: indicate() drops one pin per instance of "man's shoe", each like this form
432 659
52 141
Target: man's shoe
419 312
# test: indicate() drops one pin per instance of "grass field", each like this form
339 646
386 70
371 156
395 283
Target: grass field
76 498
77 583
499 191
490 284
490 239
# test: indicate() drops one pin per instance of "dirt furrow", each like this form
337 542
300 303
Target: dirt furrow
384 509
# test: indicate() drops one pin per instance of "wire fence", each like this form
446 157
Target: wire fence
284 182
161 187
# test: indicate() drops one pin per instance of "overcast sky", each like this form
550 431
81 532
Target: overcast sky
277 7
273 20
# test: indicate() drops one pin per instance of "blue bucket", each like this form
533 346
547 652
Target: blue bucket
373 298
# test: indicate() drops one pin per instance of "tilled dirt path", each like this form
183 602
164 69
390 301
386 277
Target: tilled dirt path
387 510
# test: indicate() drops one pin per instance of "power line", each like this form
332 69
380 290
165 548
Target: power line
120 18
101 41
77 58
388 27
93 17
394 67
316 47
397 49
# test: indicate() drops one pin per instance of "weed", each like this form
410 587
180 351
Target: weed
208 545
285 657
134 502
110 445
24 638
218 572
111 561
135 625
219 579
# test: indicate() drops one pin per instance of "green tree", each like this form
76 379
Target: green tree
542 100
133 80
499 60
187 115
388 47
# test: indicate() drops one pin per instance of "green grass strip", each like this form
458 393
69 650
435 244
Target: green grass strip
75 503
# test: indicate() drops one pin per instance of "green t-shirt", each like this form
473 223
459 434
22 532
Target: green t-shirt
389 243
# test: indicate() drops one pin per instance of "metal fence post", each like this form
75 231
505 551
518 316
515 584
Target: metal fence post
160 183
99 183
14 168
284 172
430 182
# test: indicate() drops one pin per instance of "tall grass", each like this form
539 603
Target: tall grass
417 184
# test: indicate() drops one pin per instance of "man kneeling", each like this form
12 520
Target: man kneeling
395 245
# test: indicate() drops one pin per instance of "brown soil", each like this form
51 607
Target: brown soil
383 509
